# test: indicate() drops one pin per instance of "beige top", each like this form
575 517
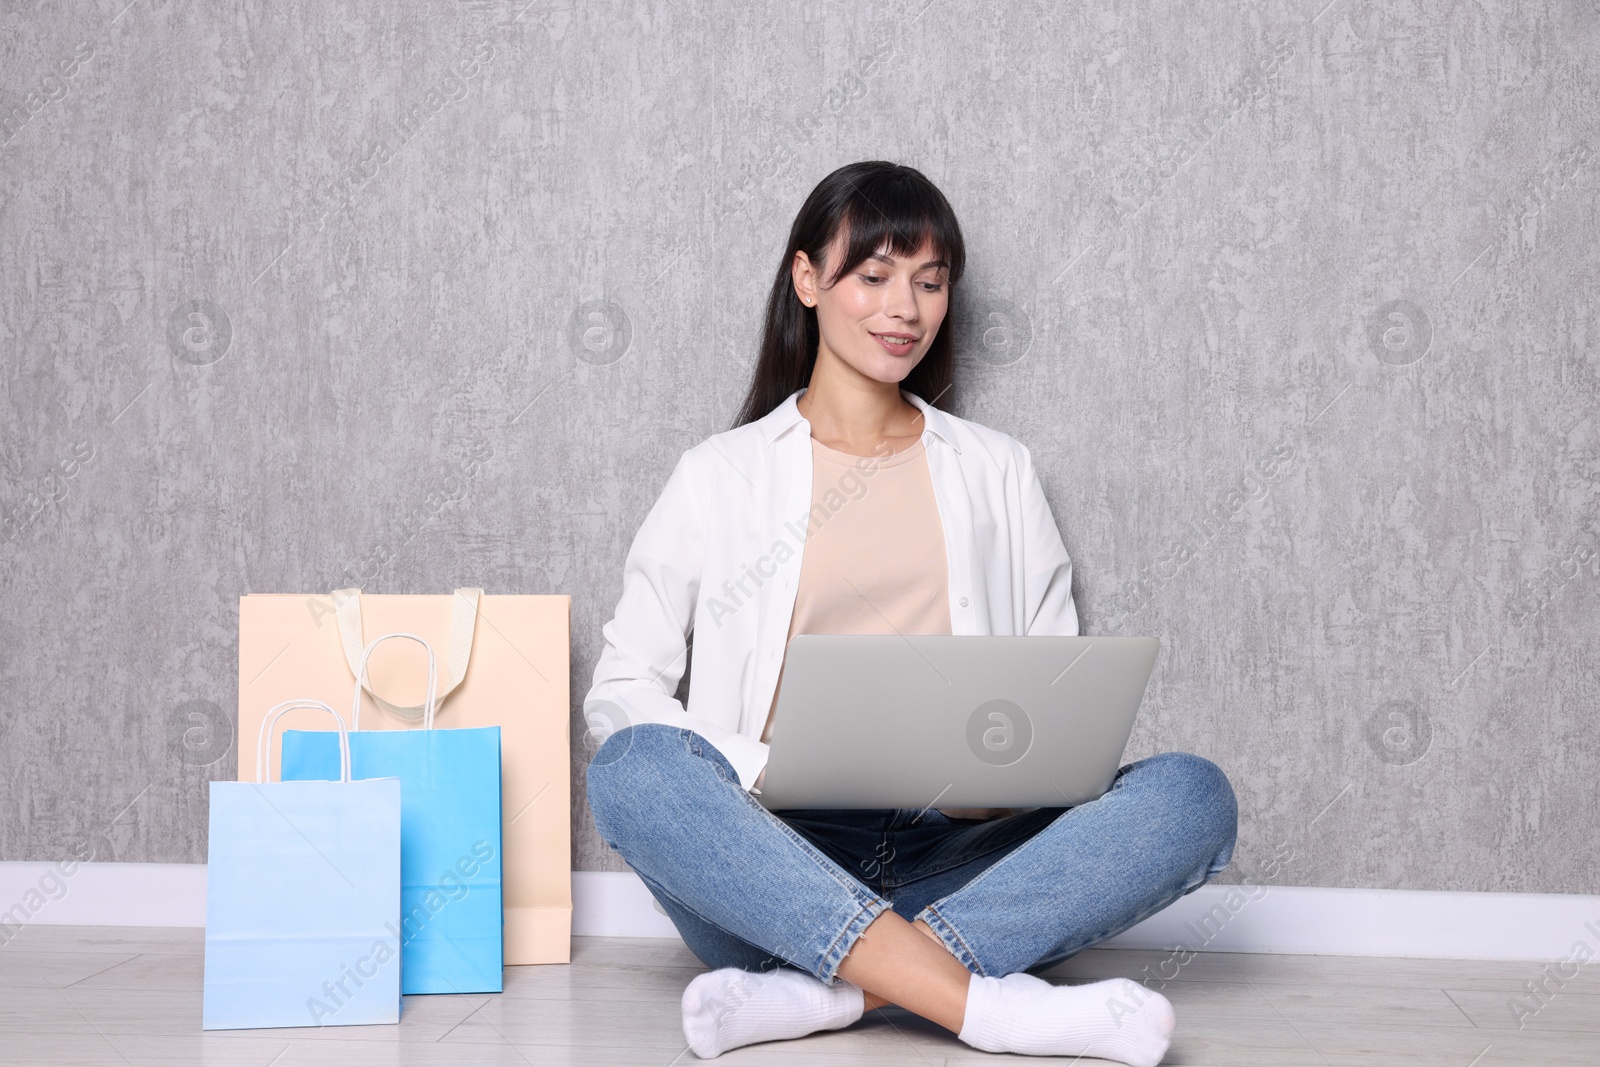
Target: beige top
874 558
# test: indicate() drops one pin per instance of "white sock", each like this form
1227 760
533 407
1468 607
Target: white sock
728 1008
1112 1020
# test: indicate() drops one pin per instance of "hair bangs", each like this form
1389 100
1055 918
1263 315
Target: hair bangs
896 215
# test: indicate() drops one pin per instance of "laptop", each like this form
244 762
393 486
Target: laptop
962 721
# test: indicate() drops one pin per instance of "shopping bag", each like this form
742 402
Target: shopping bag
449 834
503 660
302 897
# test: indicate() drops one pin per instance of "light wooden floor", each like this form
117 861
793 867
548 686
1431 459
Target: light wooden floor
77 995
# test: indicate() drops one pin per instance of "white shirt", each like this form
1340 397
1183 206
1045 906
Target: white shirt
719 556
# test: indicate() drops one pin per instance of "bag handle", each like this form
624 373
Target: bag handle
361 679
463 624
278 711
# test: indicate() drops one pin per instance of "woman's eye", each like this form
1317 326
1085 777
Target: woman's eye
932 287
871 278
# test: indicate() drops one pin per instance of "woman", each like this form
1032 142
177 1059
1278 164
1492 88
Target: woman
843 501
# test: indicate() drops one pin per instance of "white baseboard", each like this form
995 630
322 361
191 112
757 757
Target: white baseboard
1277 919
102 894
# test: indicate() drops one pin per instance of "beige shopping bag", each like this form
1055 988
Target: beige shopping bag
507 665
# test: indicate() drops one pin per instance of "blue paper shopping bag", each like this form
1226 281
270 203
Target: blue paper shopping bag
303 897
450 880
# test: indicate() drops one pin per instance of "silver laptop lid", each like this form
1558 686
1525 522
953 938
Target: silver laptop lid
922 721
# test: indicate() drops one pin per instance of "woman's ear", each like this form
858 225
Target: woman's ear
805 279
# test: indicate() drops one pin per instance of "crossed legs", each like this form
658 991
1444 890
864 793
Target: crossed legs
750 894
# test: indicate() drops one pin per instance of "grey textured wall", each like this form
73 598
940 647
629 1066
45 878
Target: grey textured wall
1294 305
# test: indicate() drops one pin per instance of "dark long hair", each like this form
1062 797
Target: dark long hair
878 203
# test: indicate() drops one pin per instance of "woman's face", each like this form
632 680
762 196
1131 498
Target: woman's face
880 318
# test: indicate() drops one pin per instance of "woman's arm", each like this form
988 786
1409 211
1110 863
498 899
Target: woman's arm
1048 608
646 641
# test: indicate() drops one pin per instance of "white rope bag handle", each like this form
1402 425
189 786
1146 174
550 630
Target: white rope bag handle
463 625
361 680
278 711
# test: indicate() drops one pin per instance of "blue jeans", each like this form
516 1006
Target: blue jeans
754 889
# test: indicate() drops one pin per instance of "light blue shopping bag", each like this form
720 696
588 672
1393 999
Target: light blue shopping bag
302 897
450 868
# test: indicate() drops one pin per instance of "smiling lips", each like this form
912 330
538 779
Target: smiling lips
897 344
